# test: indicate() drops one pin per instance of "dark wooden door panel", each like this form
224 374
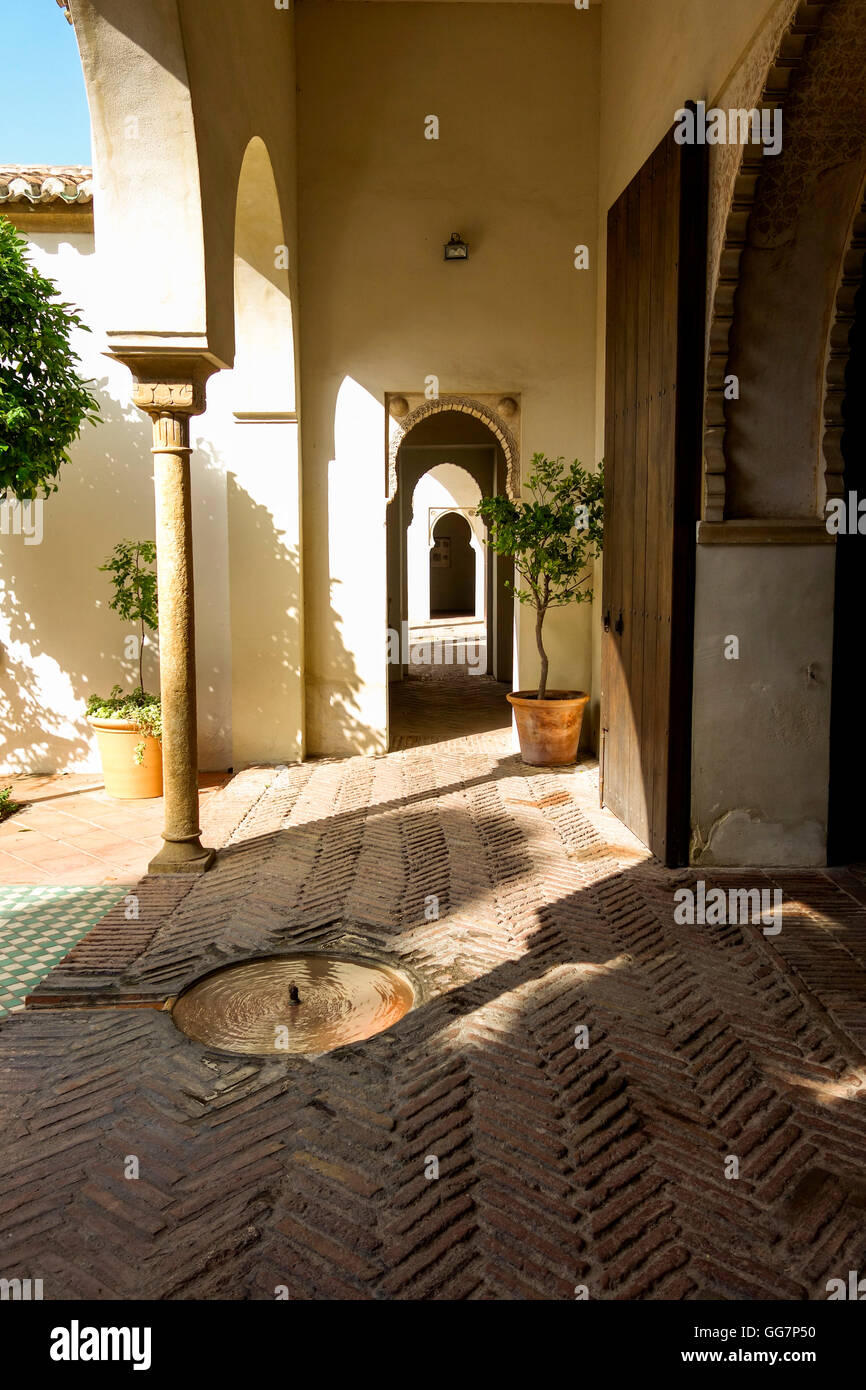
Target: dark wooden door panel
654 375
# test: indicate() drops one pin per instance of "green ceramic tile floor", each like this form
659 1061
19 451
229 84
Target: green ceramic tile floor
38 926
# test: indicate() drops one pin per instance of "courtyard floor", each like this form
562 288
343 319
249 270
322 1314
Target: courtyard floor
69 831
561 1167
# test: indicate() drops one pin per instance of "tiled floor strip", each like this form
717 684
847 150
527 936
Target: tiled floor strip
38 926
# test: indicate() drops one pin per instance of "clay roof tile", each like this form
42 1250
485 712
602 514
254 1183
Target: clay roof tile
46 183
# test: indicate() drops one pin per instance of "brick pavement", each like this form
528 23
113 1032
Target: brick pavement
558 1166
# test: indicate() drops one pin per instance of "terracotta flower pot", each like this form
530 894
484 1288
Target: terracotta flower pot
549 729
123 776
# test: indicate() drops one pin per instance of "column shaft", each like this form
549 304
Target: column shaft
182 851
171 389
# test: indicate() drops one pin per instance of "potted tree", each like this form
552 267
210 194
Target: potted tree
129 726
552 538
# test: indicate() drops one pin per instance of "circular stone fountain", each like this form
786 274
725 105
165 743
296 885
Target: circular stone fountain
293 1004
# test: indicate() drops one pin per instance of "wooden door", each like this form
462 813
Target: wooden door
656 285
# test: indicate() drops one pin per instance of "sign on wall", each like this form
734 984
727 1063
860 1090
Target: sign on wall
440 555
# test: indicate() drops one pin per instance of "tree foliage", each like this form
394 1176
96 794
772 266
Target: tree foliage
553 537
133 580
43 400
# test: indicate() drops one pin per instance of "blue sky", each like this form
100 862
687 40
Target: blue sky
43 108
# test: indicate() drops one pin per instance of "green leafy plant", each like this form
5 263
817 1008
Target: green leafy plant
552 537
134 598
8 807
136 706
43 400
133 578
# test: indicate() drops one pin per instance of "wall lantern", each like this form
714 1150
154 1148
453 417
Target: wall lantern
456 249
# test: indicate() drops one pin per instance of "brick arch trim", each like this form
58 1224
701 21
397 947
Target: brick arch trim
465 405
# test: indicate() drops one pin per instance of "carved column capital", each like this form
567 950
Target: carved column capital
172 397
165 385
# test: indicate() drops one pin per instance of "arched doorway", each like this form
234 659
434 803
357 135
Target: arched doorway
452 568
446 490
450 612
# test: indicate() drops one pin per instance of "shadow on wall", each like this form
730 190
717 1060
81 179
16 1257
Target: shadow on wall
60 642
344 575
346 733
262 611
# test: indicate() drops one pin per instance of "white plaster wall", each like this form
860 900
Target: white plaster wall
445 486
655 56
144 139
346 686
760 739
263 494
265 593
59 641
514 170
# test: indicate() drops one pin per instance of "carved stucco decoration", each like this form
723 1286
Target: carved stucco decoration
168 384
825 123
482 407
173 397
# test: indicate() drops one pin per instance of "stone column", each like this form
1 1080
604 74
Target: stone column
170 392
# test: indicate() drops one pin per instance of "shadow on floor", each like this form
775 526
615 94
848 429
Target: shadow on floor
427 710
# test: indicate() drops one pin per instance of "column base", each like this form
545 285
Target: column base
181 857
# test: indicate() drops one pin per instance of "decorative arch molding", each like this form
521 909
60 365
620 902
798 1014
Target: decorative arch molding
838 353
402 423
467 514
802 22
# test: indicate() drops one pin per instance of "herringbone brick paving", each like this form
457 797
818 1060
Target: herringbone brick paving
559 1166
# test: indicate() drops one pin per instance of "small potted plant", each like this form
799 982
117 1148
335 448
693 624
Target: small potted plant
129 726
552 538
